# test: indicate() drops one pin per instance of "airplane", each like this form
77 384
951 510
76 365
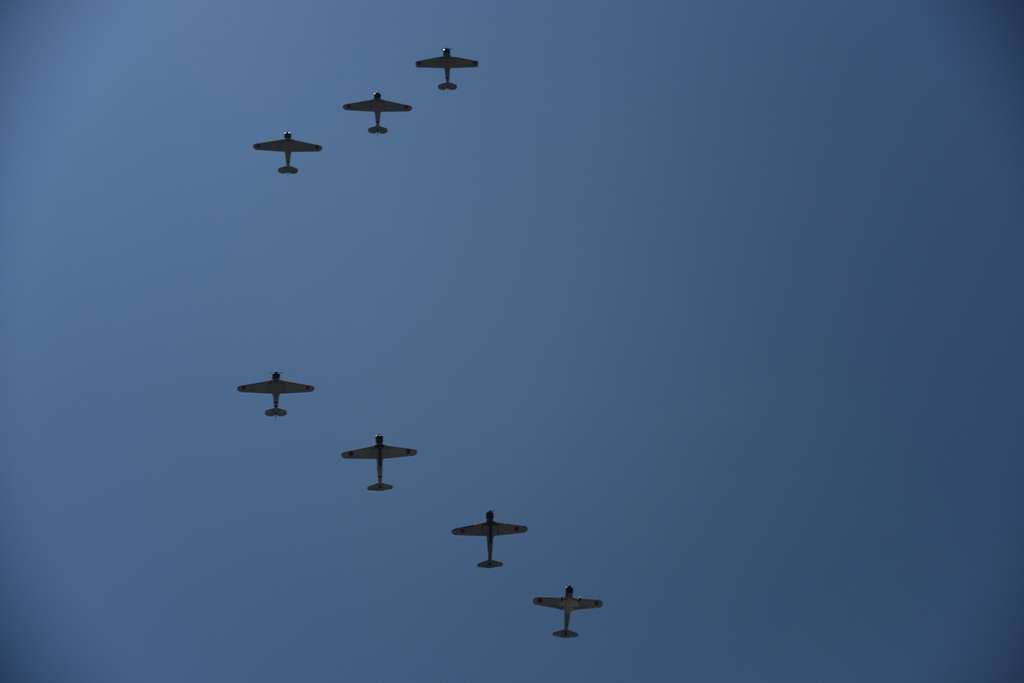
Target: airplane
376 105
275 386
446 62
287 145
567 604
378 452
490 529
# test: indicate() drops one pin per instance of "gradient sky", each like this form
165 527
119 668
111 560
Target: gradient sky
722 299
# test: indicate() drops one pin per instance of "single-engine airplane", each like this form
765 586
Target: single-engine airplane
377 106
275 386
287 144
447 62
490 529
379 451
568 604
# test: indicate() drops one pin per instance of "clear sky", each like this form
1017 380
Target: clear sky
722 300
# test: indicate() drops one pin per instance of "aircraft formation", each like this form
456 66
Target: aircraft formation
377 105
381 451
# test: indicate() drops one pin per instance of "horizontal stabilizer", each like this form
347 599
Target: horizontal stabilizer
565 633
446 86
488 564
275 412
287 169
379 487
377 129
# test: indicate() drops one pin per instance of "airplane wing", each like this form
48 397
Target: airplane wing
365 105
300 146
446 62
258 388
287 146
587 603
557 603
502 529
278 387
370 453
471 530
376 105
294 388
272 146
387 105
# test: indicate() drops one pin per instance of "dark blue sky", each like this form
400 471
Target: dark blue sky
721 299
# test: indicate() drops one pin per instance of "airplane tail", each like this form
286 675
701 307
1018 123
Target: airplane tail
446 86
379 487
565 633
287 169
488 564
377 129
275 412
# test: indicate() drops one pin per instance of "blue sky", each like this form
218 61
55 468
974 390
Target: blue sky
723 301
